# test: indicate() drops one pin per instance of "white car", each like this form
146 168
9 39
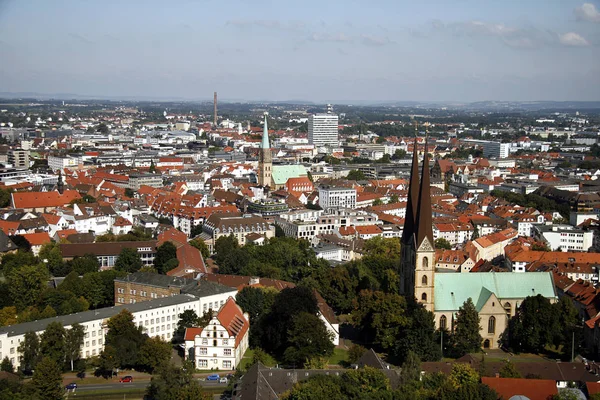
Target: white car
223 380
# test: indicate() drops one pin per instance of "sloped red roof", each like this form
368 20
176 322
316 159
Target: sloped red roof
232 318
534 389
9 227
63 234
44 199
191 333
37 239
122 222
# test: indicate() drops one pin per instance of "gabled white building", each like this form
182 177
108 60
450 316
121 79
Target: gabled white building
221 344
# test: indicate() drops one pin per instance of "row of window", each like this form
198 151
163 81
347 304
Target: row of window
203 363
204 351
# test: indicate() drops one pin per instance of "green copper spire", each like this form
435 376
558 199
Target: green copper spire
265 137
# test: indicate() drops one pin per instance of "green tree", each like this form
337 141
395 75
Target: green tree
356 175
126 338
380 316
224 246
187 319
509 370
394 199
129 193
26 284
164 256
129 260
51 255
355 352
85 264
153 352
466 338
463 374
174 383
377 202
200 245
7 365
152 167
417 336
475 234
307 338
534 326
259 356
52 343
442 243
252 300
5 196
47 380
74 342
30 351
276 324
411 368
108 361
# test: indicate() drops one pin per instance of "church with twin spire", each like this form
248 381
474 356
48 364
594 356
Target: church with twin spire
417 266
496 296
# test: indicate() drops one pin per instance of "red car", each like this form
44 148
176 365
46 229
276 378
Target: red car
127 378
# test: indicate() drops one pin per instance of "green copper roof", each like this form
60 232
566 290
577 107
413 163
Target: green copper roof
265 137
453 289
281 173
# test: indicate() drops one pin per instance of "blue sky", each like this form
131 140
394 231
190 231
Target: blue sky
343 50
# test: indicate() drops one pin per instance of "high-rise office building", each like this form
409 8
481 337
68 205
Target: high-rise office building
323 128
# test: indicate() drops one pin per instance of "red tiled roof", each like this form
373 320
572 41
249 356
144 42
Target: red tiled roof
9 227
191 333
122 222
232 318
37 239
368 230
63 234
533 389
43 199
51 219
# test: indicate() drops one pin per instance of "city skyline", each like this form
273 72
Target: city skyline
376 52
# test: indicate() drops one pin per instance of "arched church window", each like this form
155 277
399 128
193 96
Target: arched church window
424 297
443 322
492 325
508 309
424 280
425 263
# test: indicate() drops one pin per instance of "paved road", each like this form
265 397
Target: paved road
135 385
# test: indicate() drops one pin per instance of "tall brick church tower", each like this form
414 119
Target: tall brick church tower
417 265
265 159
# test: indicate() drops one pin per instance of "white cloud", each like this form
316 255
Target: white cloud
330 37
587 12
572 39
267 23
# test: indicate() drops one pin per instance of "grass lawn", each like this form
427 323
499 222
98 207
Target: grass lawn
339 357
247 360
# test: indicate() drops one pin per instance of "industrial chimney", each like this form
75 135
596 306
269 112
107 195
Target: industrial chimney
215 112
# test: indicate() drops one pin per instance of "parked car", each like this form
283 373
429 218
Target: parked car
127 378
213 377
71 386
223 380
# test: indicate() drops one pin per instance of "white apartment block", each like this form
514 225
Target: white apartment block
57 162
323 130
564 237
158 318
337 197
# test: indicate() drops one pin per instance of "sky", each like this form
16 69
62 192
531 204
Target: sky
322 51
